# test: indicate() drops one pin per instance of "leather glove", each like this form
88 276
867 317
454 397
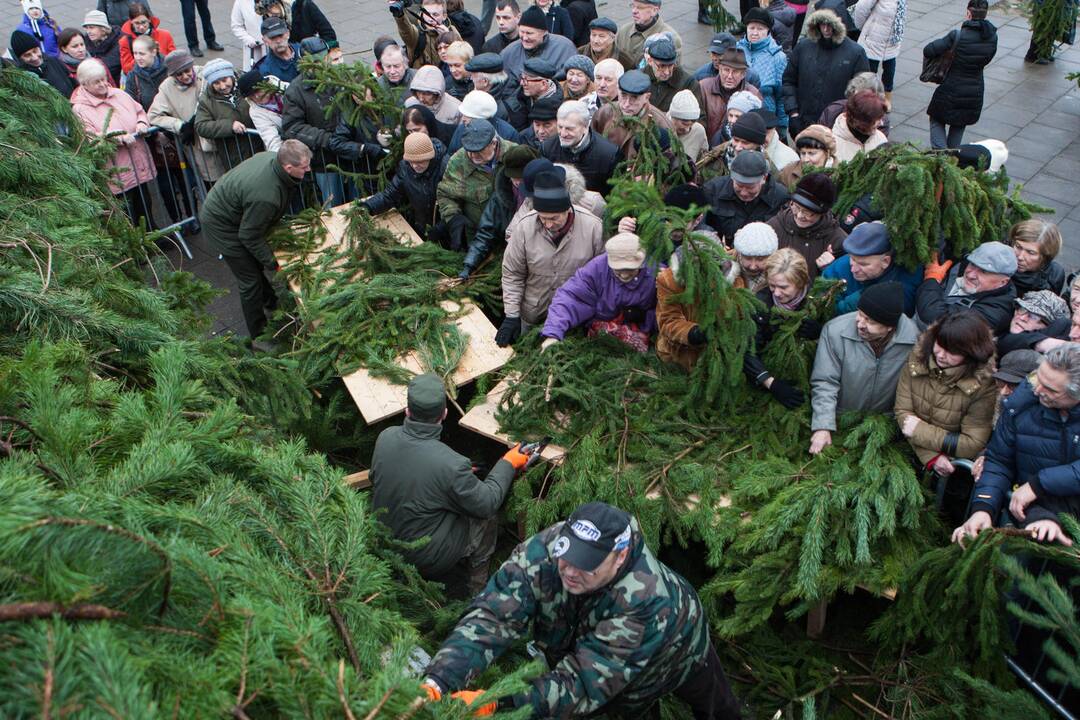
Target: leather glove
509 332
696 336
787 394
935 270
809 329
515 457
634 315
455 228
469 697
187 132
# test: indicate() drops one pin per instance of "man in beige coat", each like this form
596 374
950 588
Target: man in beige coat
548 245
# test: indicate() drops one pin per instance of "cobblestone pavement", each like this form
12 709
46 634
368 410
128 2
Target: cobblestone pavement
1034 109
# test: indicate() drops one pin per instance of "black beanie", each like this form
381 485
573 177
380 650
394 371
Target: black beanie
883 302
533 17
247 82
750 127
684 196
22 42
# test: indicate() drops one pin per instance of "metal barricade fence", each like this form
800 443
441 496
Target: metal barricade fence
167 200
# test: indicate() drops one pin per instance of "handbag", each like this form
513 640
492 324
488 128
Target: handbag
935 69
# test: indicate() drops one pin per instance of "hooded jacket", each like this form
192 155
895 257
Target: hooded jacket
143 83
847 375
621 647
956 408
534 268
768 59
163 38
847 145
594 293
958 100
430 79
416 191
809 242
176 104
819 70
996 306
425 489
45 30
108 51
117 111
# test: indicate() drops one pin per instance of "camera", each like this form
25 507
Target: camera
397 8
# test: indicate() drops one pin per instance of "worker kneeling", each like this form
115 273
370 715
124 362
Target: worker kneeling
618 628
425 489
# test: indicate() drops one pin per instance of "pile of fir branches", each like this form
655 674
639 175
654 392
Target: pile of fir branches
929 201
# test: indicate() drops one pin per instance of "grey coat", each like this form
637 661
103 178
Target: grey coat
847 375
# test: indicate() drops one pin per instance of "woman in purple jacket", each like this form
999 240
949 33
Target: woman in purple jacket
614 293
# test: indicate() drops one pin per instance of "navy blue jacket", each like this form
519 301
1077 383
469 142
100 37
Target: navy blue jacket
1031 444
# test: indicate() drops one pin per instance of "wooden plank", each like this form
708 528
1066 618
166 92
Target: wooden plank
359 480
481 419
379 399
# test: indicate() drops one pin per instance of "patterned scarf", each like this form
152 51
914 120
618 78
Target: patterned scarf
898 23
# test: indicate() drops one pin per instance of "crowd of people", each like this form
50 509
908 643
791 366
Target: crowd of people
509 145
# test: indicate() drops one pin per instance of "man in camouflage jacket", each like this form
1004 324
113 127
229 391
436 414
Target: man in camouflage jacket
618 628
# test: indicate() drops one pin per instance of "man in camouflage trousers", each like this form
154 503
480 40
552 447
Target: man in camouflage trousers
618 628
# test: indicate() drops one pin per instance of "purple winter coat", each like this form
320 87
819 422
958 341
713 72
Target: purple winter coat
594 293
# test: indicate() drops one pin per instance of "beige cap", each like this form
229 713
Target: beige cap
624 252
418 147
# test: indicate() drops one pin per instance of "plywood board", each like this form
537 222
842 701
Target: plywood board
379 399
337 224
359 480
481 419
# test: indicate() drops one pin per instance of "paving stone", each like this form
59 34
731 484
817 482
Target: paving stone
1021 168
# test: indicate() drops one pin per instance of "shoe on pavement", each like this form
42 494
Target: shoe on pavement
215 46
195 51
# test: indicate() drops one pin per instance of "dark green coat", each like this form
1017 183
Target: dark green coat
214 117
245 204
425 489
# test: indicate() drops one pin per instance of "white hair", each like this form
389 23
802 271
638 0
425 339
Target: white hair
615 66
574 107
575 182
1066 358
90 69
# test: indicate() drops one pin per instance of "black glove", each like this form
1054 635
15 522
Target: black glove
397 9
809 329
787 394
509 332
455 229
187 132
696 336
373 151
633 315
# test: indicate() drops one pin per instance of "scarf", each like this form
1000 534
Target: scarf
275 105
898 23
646 26
794 304
556 236
71 62
878 346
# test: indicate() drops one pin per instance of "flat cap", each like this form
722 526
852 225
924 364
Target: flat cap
870 238
538 67
634 82
477 135
662 50
750 166
603 23
993 257
488 62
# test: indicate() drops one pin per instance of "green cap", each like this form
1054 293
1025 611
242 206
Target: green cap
427 398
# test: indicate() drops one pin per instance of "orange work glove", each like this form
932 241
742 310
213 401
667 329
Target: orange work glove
935 270
432 692
469 698
515 457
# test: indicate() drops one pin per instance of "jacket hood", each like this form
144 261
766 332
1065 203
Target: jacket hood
984 27
829 17
428 79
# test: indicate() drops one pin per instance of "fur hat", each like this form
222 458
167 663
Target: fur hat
816 192
817 136
758 15
756 239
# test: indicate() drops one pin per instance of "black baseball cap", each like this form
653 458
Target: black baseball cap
592 533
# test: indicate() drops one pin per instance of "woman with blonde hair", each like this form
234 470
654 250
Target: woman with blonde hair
458 80
788 278
1036 243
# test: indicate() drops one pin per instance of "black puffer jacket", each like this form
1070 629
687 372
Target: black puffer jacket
932 300
958 100
468 27
416 190
819 70
596 162
728 213
304 118
143 83
1050 277
308 21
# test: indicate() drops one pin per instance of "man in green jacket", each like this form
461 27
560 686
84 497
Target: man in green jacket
617 627
425 489
238 213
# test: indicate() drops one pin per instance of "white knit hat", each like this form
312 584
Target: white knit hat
28 4
478 104
744 100
684 106
756 239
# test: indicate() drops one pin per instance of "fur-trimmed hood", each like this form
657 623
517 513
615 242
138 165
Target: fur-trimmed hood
826 16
